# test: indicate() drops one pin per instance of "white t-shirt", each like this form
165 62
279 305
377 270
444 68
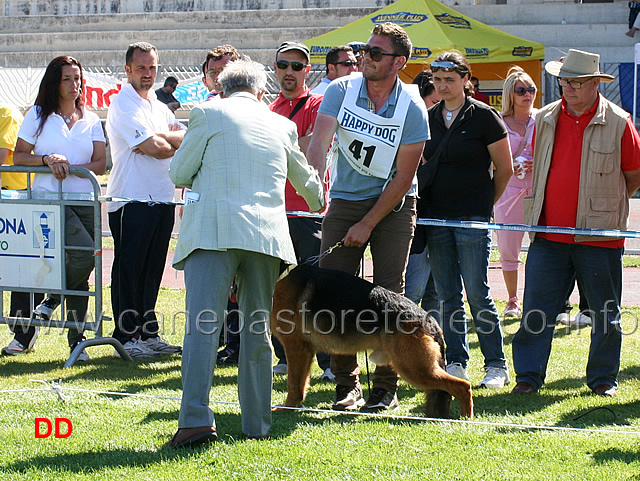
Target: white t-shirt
56 138
132 120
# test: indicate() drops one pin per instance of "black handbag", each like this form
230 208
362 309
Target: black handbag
426 173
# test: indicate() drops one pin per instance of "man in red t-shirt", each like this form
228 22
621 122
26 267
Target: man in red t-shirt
586 165
296 102
476 91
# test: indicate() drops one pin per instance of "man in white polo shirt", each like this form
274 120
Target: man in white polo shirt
144 134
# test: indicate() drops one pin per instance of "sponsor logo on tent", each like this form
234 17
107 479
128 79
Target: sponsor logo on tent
318 53
476 52
522 51
404 19
454 22
420 52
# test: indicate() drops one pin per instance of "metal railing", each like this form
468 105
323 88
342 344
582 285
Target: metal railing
56 202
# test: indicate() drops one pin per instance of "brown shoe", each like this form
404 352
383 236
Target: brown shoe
605 390
259 438
523 388
188 437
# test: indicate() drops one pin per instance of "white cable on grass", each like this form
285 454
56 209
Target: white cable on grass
57 387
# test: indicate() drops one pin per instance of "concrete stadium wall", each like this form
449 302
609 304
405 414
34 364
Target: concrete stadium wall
34 31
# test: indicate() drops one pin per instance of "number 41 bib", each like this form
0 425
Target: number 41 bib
368 141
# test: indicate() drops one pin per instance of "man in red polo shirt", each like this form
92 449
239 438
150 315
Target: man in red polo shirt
586 165
296 102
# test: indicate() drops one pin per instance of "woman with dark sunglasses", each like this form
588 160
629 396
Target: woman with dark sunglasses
518 96
473 169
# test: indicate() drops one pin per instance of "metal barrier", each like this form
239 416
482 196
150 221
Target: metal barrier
38 263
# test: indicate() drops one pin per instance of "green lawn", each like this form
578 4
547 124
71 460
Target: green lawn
118 437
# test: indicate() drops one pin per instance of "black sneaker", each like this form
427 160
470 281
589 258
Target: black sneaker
228 357
380 400
45 309
348 398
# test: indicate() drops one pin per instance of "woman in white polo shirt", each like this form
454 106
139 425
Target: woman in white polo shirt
59 132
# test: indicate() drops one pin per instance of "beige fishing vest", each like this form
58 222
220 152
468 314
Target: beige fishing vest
603 202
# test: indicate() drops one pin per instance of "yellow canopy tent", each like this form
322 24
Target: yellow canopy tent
435 28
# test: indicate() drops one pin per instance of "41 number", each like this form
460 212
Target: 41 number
356 147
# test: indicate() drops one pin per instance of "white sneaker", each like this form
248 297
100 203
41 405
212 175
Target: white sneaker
580 320
563 318
137 349
45 309
456 369
280 369
15 348
327 375
495 378
157 345
512 309
83 356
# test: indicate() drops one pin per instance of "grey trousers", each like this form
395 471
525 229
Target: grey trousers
79 265
208 275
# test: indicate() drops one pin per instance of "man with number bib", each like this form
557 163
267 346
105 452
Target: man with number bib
382 127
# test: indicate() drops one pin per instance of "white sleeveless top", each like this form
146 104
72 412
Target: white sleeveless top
368 141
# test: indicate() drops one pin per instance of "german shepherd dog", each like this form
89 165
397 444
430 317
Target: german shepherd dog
331 311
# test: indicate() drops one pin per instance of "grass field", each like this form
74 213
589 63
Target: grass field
120 437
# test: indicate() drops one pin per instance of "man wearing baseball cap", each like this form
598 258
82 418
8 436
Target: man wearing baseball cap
586 165
296 102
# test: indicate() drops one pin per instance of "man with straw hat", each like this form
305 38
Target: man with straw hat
586 165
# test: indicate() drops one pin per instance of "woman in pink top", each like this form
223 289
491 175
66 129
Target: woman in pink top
518 95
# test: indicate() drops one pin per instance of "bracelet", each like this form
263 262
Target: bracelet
43 160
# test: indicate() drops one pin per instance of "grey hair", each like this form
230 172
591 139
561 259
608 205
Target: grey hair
242 76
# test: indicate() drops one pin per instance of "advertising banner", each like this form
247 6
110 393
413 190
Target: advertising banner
30 246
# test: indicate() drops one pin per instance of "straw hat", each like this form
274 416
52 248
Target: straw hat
578 64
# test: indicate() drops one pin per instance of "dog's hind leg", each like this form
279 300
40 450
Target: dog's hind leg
299 358
417 360
437 404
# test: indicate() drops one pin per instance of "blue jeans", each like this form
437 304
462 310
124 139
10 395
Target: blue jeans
551 267
456 255
419 285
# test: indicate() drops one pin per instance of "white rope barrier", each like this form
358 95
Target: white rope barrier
57 388
449 223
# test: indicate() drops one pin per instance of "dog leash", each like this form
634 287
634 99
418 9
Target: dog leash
316 259
311 260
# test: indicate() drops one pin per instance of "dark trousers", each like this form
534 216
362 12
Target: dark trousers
550 272
583 305
390 242
21 307
141 234
633 13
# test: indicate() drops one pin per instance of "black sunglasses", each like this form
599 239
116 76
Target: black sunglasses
376 53
346 63
520 91
295 66
447 66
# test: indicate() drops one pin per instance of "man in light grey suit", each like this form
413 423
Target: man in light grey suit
235 157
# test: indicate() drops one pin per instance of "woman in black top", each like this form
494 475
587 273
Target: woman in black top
474 167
